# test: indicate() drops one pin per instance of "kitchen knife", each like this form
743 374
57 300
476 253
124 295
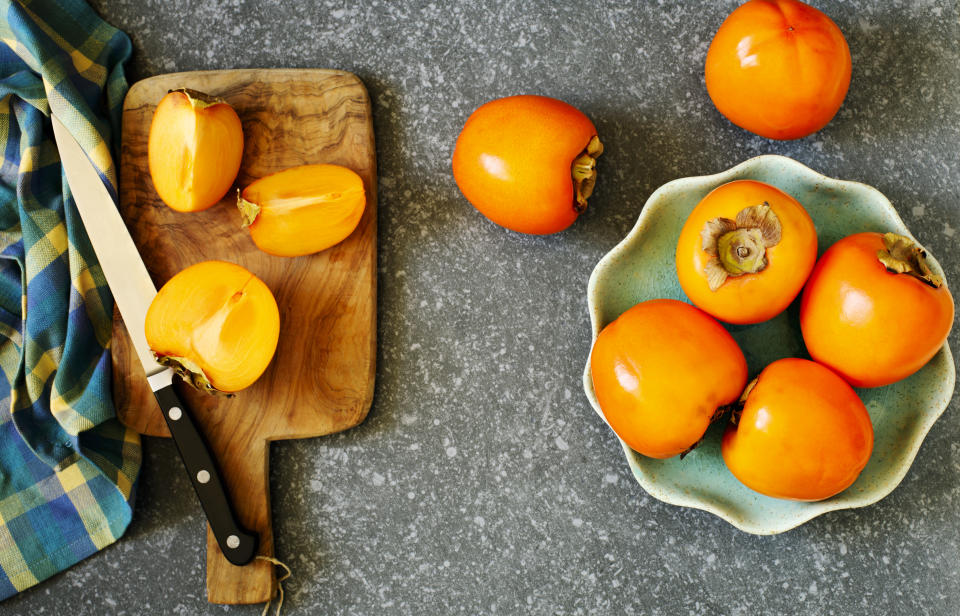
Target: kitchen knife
133 290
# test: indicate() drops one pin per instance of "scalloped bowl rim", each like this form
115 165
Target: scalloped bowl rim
677 497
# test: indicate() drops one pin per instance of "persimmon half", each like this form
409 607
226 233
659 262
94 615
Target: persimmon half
803 433
660 372
302 210
873 311
745 252
528 163
216 324
778 68
194 149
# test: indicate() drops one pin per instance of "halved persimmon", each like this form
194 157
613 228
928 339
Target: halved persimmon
745 251
216 324
194 149
303 210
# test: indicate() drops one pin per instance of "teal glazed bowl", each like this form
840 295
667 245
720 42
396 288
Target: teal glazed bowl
641 267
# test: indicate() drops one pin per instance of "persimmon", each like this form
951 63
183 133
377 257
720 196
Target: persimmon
873 311
302 210
803 434
660 371
745 252
194 149
778 68
216 324
528 163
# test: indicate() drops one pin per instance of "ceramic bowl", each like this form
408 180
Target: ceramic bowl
641 267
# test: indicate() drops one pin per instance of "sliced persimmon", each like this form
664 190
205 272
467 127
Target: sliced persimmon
194 149
303 210
216 324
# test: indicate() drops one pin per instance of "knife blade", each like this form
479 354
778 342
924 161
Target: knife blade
133 290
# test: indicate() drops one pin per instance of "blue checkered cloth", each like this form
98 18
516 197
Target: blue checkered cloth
67 466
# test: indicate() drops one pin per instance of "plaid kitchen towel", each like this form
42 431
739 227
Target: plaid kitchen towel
67 466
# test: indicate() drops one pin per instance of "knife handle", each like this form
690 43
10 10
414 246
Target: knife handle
237 544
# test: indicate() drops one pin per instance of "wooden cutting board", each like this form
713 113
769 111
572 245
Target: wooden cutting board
321 378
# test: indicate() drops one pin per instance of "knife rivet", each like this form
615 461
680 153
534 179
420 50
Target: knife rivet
233 541
203 476
175 413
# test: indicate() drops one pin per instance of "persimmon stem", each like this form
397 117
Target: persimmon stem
739 247
903 256
584 173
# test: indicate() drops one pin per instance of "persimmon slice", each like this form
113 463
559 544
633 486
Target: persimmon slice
216 324
303 210
194 149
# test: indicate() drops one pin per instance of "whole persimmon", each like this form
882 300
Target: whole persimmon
873 311
216 324
803 433
778 68
745 251
528 163
660 372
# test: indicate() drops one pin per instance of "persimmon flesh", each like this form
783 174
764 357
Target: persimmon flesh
303 210
216 324
803 433
194 149
660 371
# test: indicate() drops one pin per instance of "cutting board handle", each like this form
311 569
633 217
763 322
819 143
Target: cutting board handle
248 482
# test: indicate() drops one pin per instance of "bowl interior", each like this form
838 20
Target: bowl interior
641 267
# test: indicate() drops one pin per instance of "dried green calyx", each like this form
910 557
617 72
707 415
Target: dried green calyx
738 247
584 172
904 256
191 372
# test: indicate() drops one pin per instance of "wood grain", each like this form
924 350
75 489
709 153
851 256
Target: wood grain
321 378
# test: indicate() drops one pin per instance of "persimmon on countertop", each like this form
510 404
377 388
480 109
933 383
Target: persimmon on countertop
528 163
778 68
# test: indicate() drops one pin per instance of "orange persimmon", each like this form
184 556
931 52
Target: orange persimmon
745 251
528 163
873 311
778 68
216 324
660 371
803 433
194 149
302 210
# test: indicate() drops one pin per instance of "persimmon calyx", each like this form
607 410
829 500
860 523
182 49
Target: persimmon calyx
904 256
584 172
738 247
191 372
198 99
248 209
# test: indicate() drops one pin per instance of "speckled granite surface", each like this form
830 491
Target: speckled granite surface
482 482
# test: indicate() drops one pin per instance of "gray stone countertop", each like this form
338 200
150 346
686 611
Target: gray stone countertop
482 482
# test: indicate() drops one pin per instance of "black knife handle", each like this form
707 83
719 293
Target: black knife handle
238 545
